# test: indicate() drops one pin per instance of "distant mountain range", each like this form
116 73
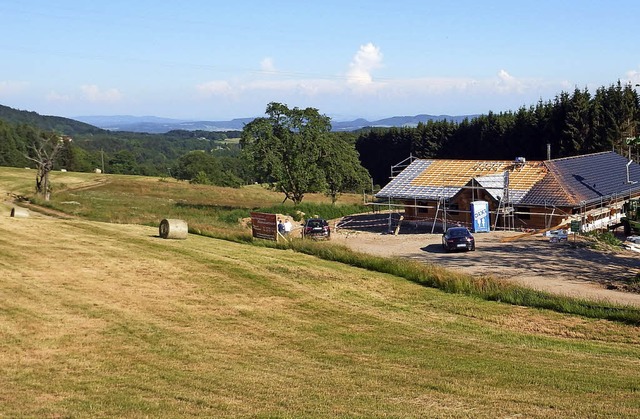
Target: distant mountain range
152 124
156 125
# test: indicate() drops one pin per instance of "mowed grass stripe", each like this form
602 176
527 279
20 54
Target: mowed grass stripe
112 321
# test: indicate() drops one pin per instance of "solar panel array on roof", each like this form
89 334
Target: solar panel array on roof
400 186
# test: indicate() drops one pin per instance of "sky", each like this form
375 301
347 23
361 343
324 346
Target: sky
219 60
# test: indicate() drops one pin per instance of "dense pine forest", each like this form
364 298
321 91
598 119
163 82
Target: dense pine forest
571 124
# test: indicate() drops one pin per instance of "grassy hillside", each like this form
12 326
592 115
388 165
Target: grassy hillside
108 320
147 200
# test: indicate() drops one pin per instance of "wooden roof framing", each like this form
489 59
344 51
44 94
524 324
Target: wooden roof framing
458 173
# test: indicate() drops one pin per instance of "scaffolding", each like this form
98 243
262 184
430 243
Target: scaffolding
396 169
504 181
505 208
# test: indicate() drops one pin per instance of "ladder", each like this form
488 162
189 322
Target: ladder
441 201
507 212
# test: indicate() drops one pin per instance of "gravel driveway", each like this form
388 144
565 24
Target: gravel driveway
568 268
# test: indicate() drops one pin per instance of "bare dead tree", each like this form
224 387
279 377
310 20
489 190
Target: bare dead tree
45 151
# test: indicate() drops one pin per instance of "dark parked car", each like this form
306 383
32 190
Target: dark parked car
458 238
316 228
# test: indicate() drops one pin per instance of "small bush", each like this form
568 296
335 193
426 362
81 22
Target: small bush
606 237
200 178
232 216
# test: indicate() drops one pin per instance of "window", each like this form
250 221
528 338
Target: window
526 211
452 209
421 210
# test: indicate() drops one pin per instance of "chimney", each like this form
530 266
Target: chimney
548 151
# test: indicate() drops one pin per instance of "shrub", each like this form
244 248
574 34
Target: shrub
200 178
606 237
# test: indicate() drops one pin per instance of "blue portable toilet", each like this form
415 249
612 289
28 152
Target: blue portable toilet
480 214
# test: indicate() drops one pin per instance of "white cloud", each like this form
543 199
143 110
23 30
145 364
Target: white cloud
57 97
430 86
633 76
267 65
367 59
358 88
508 84
309 87
216 88
94 94
318 87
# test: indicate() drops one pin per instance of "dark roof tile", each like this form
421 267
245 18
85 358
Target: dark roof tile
595 176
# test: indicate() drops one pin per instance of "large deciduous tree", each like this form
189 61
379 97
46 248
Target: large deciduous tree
295 152
285 149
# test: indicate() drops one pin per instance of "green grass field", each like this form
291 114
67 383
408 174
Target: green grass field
147 200
108 320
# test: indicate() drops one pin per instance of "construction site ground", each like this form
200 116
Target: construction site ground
574 268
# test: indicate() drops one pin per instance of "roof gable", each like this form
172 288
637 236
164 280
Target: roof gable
549 192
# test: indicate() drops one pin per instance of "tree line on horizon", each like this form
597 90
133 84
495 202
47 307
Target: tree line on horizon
572 123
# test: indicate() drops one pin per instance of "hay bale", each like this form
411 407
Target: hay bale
173 229
19 212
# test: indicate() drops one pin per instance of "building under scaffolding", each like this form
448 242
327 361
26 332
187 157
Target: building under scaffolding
521 195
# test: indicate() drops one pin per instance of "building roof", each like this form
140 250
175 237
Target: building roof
585 179
549 192
560 182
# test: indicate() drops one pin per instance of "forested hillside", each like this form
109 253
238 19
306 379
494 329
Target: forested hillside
572 124
114 152
57 124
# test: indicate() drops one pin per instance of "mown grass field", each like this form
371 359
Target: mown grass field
108 320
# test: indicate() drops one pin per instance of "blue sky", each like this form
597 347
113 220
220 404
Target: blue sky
219 60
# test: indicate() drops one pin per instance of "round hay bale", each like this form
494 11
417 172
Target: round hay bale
173 229
19 212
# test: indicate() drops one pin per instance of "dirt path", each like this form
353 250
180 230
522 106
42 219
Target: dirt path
562 268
